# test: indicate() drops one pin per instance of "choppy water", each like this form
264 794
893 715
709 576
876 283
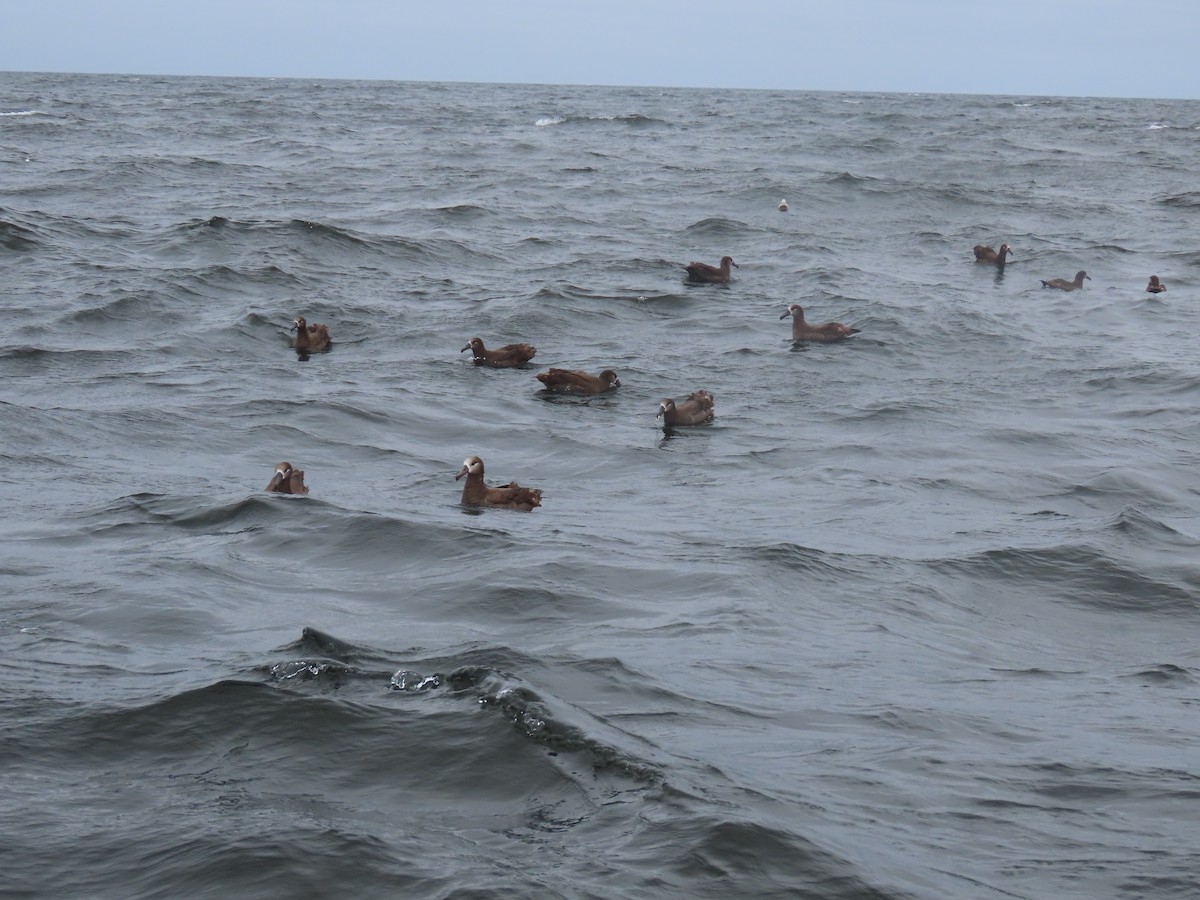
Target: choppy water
916 616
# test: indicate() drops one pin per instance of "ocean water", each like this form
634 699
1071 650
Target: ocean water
915 616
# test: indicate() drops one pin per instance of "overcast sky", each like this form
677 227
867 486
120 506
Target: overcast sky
1112 48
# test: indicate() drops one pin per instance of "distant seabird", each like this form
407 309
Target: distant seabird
985 254
1063 285
310 337
703 273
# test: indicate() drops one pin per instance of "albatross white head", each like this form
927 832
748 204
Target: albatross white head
472 465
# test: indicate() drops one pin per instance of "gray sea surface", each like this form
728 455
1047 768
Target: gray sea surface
915 616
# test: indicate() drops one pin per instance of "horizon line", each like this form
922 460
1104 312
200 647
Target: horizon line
589 84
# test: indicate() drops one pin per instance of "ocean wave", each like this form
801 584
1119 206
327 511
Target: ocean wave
224 275
362 542
712 655
848 178
1165 674
304 763
472 675
1186 200
1134 485
137 512
16 237
1079 574
307 228
544 721
570 292
763 860
121 310
630 119
717 226
70 357
1134 522
1147 383
325 231
808 560
470 211
295 240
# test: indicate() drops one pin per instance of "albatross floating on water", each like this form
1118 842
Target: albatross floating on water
826 331
310 337
287 480
507 357
695 410
1063 285
703 273
568 381
508 496
985 254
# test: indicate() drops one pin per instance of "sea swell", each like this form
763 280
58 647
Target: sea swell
908 595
